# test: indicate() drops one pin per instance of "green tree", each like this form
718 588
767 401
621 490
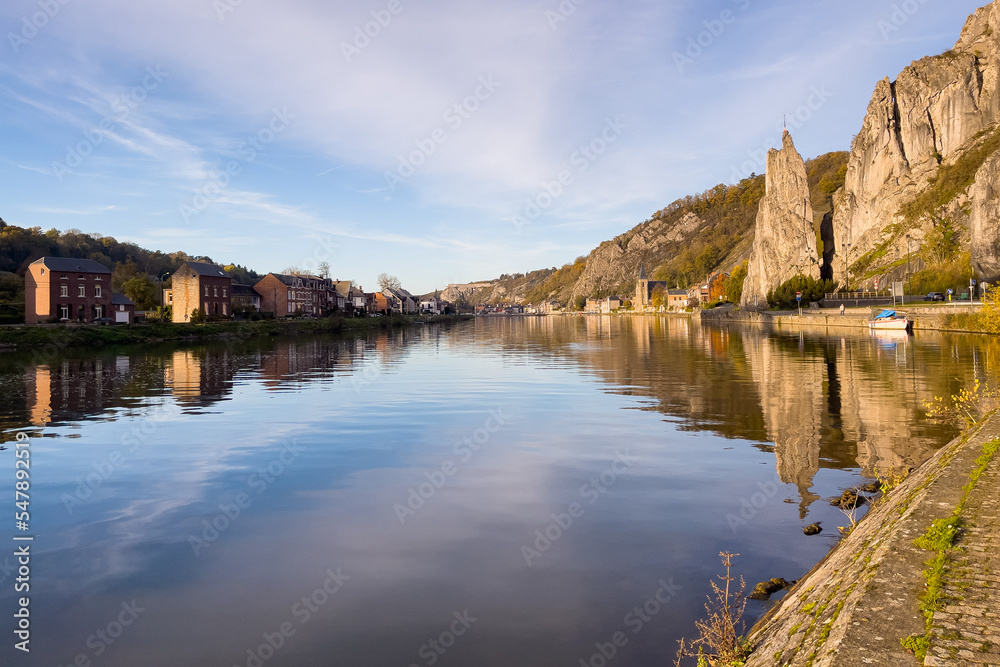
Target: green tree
783 296
579 302
141 291
734 284
122 273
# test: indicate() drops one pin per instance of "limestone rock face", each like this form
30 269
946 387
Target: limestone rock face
784 239
984 221
928 116
617 261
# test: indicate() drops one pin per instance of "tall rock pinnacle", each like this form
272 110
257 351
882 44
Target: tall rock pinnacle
784 239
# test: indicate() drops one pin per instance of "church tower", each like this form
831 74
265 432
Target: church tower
642 288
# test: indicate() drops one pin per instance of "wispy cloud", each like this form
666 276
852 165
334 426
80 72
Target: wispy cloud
71 211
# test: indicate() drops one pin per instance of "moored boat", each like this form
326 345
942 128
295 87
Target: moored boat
890 320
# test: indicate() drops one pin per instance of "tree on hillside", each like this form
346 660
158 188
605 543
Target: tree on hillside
122 273
385 281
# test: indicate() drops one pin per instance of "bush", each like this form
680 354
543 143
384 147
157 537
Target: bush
783 296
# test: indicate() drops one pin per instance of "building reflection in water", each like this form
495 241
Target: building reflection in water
843 401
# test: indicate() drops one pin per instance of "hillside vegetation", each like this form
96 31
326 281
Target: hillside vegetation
687 240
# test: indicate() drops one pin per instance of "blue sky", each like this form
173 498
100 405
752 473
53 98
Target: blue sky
441 142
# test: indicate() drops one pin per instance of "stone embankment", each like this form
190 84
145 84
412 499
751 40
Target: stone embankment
926 318
856 606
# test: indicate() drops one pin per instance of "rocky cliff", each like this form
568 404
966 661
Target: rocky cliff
920 194
913 165
784 237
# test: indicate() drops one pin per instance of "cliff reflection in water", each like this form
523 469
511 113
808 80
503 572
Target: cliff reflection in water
818 401
845 401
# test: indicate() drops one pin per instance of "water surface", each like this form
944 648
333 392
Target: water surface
498 492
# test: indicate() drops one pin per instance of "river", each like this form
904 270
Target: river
508 491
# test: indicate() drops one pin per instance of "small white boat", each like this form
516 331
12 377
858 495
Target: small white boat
890 320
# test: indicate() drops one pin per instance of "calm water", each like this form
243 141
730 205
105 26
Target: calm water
499 492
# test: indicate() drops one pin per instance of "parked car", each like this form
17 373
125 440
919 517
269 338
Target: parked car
104 321
934 296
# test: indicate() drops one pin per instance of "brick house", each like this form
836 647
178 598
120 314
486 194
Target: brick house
123 308
677 299
376 302
197 285
286 295
71 290
244 299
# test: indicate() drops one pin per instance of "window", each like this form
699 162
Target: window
64 277
83 291
43 270
206 306
97 291
215 290
98 311
97 277
80 277
224 309
206 290
64 312
64 290
223 291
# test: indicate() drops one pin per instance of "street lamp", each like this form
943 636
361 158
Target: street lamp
162 304
909 287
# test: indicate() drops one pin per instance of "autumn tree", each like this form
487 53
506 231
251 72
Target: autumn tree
659 297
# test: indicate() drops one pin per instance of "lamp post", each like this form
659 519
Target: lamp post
162 301
909 287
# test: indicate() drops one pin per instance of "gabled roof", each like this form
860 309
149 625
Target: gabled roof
69 264
343 287
121 300
243 290
203 269
399 293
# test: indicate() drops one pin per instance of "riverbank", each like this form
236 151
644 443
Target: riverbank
957 319
877 589
68 336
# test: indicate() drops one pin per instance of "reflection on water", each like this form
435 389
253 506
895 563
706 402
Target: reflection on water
499 492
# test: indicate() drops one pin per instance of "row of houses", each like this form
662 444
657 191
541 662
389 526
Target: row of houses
206 287
79 290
